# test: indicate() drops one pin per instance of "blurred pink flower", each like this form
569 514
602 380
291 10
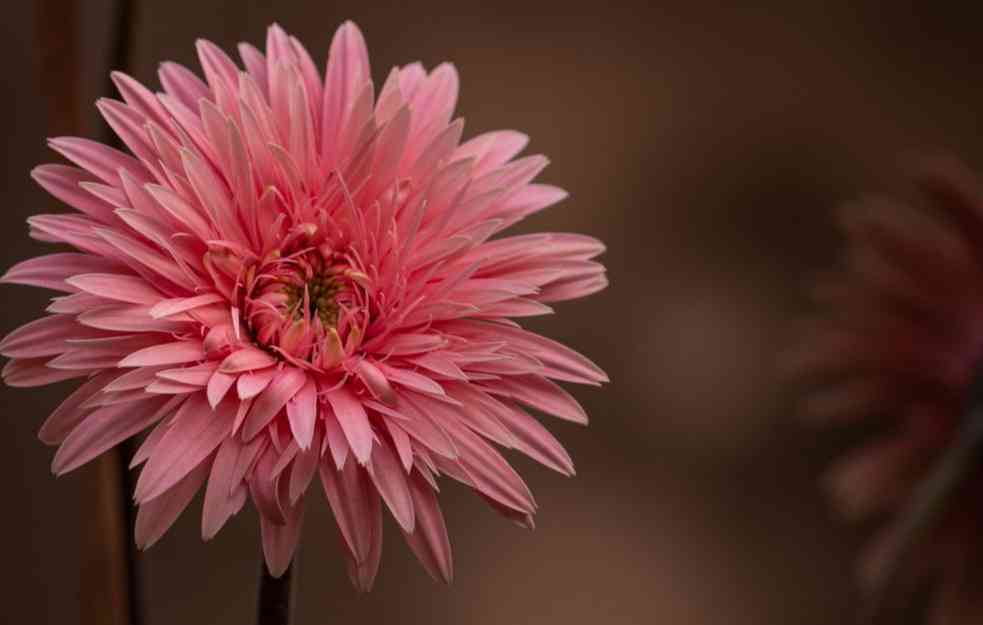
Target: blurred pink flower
291 277
898 351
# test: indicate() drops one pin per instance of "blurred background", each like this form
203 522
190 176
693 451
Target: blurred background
705 146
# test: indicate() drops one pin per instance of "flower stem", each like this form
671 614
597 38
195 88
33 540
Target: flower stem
107 566
119 59
275 602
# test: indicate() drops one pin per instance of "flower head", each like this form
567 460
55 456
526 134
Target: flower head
289 277
899 350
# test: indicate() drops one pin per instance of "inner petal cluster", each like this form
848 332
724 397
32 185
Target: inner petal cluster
308 305
314 297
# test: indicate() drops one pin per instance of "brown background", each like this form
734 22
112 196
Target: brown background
705 146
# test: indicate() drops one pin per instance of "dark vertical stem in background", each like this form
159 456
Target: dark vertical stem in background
275 601
119 59
56 23
107 568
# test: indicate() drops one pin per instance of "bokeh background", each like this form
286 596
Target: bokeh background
705 145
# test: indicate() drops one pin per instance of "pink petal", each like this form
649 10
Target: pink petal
310 74
247 359
422 428
128 318
390 480
247 457
564 362
355 504
122 288
280 541
376 381
151 441
198 375
252 384
265 487
529 200
110 398
272 400
535 441
156 516
220 504
540 393
389 151
100 159
115 197
51 271
475 412
438 150
220 72
75 303
218 385
301 412
287 454
171 307
187 121
180 82
492 149
411 379
70 412
429 540
100 352
440 363
196 432
354 422
26 372
518 517
128 125
174 353
518 307
140 98
212 193
186 263
434 101
181 211
103 429
147 257
336 442
491 474
46 336
363 572
166 387
134 379
255 63
78 231
347 71
304 468
403 445
402 344
62 181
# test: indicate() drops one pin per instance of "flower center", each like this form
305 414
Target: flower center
319 294
310 306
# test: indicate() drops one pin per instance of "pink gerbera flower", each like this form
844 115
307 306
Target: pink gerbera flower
290 276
